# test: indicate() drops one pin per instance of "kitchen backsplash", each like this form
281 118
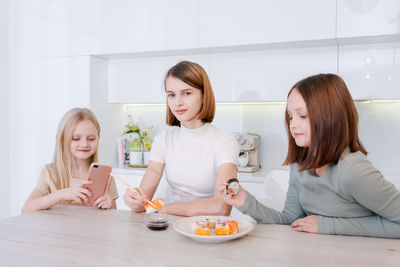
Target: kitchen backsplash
379 128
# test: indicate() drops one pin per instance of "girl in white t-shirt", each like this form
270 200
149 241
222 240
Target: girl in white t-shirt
195 154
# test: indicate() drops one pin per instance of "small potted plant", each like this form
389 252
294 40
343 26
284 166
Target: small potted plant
139 143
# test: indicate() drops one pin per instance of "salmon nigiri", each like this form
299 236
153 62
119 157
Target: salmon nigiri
154 205
233 227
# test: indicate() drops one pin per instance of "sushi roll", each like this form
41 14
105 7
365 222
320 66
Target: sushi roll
222 227
154 205
232 186
201 228
210 222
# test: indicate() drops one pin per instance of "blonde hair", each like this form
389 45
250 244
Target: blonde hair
62 153
194 75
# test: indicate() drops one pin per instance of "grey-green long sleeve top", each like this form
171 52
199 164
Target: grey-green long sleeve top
350 198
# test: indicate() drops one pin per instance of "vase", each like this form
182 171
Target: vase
139 157
135 158
146 157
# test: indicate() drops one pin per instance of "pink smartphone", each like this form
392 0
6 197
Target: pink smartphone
99 175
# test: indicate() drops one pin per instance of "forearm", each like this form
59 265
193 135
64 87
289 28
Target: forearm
263 214
373 226
42 203
206 206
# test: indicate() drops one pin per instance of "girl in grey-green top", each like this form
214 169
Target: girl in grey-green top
333 188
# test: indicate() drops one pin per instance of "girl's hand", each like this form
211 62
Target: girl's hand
236 200
77 193
103 202
135 200
307 224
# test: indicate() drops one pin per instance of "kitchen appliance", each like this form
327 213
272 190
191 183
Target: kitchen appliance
249 148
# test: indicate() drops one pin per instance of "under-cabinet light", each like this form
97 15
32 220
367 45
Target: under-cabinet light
378 101
266 103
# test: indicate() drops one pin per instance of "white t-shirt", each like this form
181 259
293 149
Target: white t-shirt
192 158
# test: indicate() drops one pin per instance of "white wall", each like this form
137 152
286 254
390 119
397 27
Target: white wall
4 110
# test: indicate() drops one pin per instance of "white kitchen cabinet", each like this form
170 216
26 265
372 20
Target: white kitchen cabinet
267 75
371 71
357 18
135 26
227 22
83 27
141 80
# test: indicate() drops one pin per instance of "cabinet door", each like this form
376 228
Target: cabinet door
141 80
227 22
367 18
371 71
267 75
132 26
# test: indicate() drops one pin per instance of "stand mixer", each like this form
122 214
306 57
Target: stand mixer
249 144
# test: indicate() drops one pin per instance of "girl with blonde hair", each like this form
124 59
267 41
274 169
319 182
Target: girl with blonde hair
63 181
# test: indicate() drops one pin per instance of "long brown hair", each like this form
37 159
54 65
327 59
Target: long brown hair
62 153
333 121
194 75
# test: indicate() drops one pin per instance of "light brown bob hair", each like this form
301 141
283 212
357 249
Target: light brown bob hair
333 121
194 75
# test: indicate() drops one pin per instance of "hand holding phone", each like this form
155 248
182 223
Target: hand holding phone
99 176
77 194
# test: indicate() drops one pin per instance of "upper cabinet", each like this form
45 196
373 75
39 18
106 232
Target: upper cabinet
371 71
227 22
84 27
252 50
141 80
127 26
367 18
267 75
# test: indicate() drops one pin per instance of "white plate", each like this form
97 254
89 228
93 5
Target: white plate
184 227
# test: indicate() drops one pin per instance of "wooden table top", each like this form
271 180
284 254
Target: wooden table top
84 236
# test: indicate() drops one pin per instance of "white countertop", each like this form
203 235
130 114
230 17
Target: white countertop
255 177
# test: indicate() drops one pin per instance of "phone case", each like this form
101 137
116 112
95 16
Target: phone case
99 174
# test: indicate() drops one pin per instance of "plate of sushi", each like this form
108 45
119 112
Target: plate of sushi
212 228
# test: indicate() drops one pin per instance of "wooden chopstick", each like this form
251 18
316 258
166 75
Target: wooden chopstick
130 187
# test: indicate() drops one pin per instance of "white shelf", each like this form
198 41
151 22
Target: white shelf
130 171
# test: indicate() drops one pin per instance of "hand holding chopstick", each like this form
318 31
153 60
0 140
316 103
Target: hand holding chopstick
131 188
